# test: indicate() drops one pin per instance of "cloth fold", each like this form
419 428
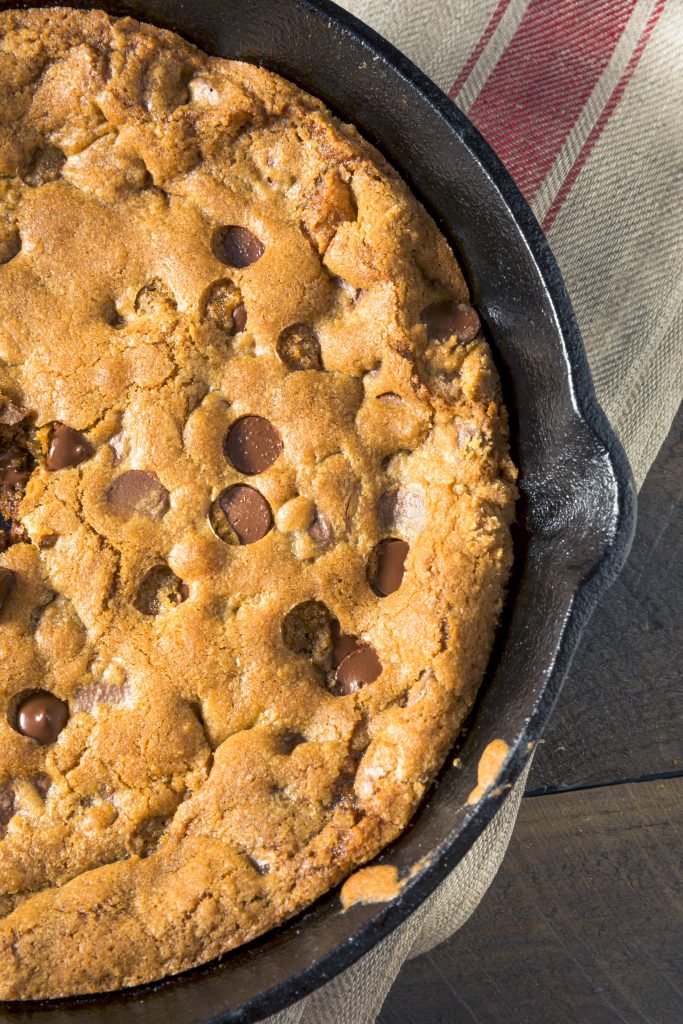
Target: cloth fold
582 101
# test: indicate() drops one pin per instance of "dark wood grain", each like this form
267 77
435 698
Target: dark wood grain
620 714
582 925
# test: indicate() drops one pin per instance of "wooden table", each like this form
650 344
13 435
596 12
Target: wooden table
584 922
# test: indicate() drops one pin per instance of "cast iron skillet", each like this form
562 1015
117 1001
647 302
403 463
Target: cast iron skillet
577 511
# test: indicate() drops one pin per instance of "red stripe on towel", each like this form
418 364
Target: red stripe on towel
602 121
537 90
479 48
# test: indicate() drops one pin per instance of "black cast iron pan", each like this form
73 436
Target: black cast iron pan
577 510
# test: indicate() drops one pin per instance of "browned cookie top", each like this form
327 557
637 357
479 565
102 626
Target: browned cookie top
256 489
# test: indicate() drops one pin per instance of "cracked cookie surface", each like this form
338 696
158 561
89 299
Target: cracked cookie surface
256 495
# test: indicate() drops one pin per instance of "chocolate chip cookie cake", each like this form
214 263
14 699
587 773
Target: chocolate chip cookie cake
255 492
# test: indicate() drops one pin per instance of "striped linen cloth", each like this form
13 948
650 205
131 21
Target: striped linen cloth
583 102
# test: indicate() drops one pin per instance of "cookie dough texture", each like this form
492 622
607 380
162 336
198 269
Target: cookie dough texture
210 782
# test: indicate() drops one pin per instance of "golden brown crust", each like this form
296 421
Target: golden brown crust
210 781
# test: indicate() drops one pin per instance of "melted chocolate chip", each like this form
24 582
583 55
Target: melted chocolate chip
307 629
159 588
67 448
247 512
299 349
446 318
386 566
321 531
12 470
16 466
252 444
239 318
41 717
8 580
357 669
236 246
11 414
344 643
138 492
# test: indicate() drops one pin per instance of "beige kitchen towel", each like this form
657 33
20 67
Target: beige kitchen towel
583 101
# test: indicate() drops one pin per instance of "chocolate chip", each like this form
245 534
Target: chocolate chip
356 670
236 246
42 716
220 306
159 589
252 444
48 540
299 349
138 492
7 803
67 448
468 325
8 580
386 566
11 414
239 318
321 531
247 512
446 318
307 629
